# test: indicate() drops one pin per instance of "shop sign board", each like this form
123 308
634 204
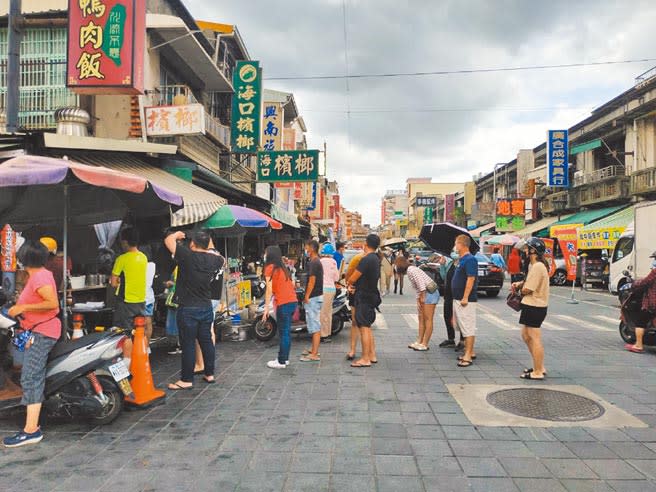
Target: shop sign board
272 126
106 44
288 165
186 119
449 208
246 107
557 158
426 201
602 238
510 214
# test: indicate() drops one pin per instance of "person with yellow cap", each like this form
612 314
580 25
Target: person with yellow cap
55 262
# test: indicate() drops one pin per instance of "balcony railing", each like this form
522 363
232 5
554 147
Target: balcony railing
599 175
644 181
175 95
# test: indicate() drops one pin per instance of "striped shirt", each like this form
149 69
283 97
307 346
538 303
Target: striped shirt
419 279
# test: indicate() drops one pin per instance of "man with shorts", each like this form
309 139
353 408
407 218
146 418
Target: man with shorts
367 299
464 287
313 300
129 280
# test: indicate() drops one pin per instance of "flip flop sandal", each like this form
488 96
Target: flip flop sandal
355 364
635 350
465 363
527 375
305 358
461 357
529 370
307 352
374 362
177 387
350 357
209 381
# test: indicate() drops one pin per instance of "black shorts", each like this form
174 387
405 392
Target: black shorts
365 314
125 312
640 319
532 316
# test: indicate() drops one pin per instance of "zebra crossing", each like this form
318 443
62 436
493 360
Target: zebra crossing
554 322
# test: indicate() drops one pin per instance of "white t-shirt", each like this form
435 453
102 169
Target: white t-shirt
150 275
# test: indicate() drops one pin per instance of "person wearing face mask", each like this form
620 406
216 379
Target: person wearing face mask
642 319
448 266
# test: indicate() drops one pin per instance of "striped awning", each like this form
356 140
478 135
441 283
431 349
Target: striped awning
199 204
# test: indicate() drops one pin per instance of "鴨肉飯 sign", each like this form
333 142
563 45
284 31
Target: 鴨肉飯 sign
246 107
288 165
106 46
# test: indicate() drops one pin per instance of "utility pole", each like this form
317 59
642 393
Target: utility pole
15 34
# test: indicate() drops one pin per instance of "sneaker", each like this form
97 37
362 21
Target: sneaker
274 364
421 348
22 438
175 351
326 340
413 345
448 343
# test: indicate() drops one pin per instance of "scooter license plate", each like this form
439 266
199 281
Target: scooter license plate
119 371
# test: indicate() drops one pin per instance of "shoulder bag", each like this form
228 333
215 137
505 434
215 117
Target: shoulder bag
514 300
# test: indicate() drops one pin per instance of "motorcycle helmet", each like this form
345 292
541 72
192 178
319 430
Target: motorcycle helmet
49 243
536 244
653 255
327 250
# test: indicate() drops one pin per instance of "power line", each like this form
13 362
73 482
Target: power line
348 76
444 110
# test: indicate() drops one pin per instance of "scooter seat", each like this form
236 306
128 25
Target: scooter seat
64 347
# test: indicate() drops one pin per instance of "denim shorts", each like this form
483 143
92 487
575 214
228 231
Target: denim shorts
33 373
313 314
433 298
149 309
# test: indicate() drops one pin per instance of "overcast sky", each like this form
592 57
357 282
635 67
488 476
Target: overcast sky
467 122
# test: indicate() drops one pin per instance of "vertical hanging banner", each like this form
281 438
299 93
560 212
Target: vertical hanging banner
272 126
557 158
567 237
106 44
246 107
549 255
449 208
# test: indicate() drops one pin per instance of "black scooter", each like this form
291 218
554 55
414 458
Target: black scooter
631 303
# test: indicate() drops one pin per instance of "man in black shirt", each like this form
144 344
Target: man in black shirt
367 299
196 269
313 299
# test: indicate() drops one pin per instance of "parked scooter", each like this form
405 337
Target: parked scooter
85 377
631 303
266 329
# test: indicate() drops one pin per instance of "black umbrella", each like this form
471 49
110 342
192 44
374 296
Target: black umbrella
441 237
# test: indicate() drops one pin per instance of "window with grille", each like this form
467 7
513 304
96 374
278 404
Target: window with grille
42 79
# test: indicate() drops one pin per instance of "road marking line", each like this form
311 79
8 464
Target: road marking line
553 327
495 320
615 321
584 324
380 323
596 304
412 320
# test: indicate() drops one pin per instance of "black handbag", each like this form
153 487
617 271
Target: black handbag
514 300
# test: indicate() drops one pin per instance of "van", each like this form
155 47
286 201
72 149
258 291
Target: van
622 259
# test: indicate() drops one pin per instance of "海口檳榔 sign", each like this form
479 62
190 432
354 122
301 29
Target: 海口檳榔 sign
288 165
106 40
246 107
557 158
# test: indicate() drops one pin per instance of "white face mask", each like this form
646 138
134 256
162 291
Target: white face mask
653 264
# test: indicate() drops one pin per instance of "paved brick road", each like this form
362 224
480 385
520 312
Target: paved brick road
393 427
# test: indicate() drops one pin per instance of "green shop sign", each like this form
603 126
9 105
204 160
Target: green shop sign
246 107
288 166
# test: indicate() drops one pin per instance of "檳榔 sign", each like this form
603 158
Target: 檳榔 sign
246 107
288 165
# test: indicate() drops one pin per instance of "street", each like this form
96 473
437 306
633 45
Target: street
392 427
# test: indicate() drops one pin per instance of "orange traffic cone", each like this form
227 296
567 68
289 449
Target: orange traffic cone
143 387
78 320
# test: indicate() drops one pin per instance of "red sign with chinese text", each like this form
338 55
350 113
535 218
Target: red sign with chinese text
106 42
567 237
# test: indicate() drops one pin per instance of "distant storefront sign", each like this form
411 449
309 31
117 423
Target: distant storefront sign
187 119
106 40
557 158
246 107
449 208
510 214
272 126
602 238
288 165
426 201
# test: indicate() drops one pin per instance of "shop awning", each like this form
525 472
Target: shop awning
199 204
531 229
604 233
480 230
584 147
283 216
585 217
